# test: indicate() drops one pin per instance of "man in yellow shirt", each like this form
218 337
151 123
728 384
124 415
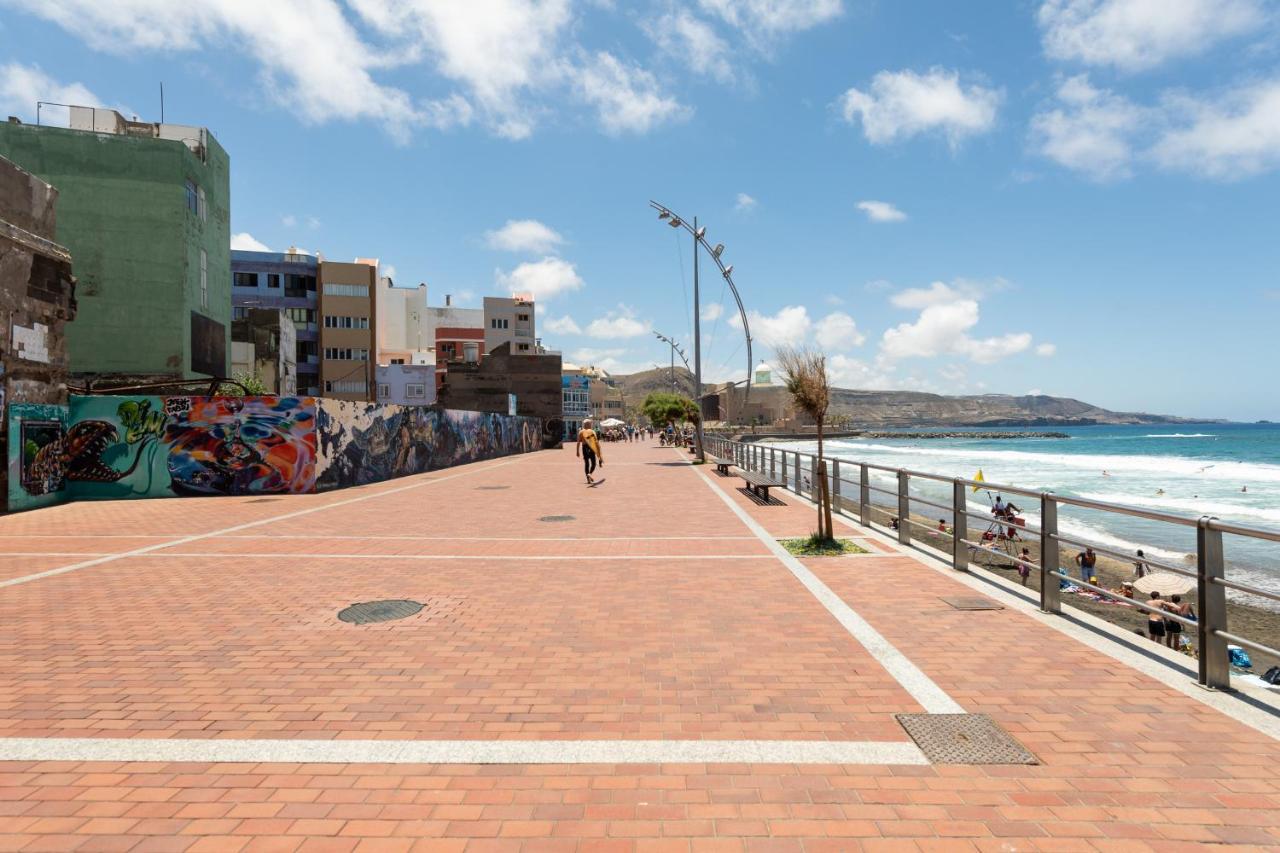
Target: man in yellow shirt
588 448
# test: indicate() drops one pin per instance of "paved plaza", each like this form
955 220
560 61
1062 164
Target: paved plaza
632 666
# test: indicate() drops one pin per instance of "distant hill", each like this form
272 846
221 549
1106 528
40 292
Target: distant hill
875 409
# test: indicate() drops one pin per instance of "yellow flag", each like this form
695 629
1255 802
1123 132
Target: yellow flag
979 478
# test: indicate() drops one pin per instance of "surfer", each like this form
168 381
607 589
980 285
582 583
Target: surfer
1159 491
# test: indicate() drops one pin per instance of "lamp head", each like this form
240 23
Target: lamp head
728 271
718 250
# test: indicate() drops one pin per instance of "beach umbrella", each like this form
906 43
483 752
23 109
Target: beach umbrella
1165 583
609 423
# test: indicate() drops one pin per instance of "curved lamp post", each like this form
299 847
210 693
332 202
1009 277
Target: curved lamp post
699 239
675 349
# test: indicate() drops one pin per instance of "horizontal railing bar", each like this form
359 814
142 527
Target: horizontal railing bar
1132 558
1244 587
988 548
1001 523
943 507
1243 530
889 492
1248 644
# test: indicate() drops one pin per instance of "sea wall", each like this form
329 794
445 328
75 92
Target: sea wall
152 447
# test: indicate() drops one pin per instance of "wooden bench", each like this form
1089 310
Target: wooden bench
722 465
761 483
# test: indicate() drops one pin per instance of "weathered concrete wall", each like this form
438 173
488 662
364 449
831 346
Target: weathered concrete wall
37 298
123 215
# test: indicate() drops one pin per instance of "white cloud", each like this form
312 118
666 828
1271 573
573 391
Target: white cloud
1034 392
881 211
22 85
1091 131
544 279
838 331
389 270
937 293
846 372
523 235
288 220
617 324
627 98
245 242
561 326
789 327
694 42
313 222
947 315
902 104
1231 136
763 21
1046 350
1134 35
711 312
745 203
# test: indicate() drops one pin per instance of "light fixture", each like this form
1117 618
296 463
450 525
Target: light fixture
700 232
662 214
718 250
675 222
728 270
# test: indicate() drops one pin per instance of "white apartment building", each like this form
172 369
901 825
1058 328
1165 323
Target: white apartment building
510 320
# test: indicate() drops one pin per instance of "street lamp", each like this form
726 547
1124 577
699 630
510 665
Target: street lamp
675 348
699 239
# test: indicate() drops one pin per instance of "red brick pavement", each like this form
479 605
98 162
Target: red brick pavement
227 645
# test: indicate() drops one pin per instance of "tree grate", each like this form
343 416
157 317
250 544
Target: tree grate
964 739
368 612
973 603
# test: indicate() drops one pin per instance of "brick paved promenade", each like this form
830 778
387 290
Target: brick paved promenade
651 674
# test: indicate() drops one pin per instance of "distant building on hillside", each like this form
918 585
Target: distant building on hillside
145 210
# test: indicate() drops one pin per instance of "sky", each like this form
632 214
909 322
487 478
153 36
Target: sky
1069 197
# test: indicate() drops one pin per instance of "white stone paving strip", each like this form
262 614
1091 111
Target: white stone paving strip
929 695
137 552
261 751
236 555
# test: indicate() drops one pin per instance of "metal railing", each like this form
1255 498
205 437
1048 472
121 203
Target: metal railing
798 471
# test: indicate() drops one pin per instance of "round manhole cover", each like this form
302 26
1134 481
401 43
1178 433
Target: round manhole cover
556 518
367 612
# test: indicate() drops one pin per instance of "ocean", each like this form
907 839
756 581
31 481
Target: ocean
1231 471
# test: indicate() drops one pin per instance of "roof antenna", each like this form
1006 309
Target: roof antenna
162 102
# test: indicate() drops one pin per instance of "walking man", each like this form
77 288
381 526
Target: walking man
588 447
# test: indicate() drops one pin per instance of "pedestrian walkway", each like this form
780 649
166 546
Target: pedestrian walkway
631 666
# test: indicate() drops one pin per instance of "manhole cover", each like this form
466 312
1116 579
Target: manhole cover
556 518
976 603
491 488
963 739
368 612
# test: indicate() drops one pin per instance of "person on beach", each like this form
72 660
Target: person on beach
998 509
1155 620
1173 628
1140 568
588 448
1086 560
1024 565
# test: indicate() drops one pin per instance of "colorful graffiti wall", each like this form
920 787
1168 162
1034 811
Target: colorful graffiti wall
37 447
363 443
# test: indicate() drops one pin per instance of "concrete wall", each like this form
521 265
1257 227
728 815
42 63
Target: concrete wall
123 215
484 387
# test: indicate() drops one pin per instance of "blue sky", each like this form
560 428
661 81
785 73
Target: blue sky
1077 197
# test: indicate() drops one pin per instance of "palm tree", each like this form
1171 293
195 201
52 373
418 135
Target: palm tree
805 378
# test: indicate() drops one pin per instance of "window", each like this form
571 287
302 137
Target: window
471 353
346 386
201 210
357 290
193 198
498 323
204 279
298 285
273 279
415 389
384 391
332 321
523 318
397 361
523 348
346 353
302 316
239 313
244 279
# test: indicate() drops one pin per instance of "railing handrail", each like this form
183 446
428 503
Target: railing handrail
1211 584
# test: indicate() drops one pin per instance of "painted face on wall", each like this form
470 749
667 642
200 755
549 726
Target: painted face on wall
237 446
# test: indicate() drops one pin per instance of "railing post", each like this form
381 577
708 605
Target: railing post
835 485
773 462
1211 610
1050 597
813 479
959 527
904 507
864 496
784 469
799 476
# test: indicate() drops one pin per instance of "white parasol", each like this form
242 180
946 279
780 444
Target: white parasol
1165 583
610 423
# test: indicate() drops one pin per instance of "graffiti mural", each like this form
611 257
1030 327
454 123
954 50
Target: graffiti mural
363 443
37 454
120 447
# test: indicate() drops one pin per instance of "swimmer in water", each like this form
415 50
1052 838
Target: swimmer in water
1104 473
1244 488
1159 491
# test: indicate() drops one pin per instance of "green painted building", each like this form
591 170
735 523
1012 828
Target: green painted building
145 211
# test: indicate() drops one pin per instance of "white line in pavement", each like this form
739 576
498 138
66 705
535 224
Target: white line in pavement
137 552
266 751
313 537
921 687
275 555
